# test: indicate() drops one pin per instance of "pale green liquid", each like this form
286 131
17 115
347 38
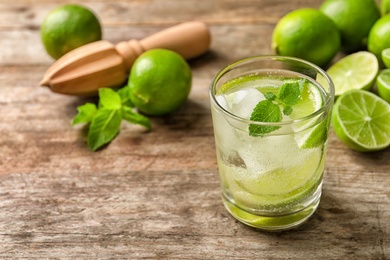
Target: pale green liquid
268 182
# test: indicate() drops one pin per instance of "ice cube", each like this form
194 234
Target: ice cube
262 154
243 102
221 99
225 136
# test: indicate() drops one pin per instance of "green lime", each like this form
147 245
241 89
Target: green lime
307 34
159 81
385 7
386 57
383 84
355 71
354 19
361 120
69 27
379 36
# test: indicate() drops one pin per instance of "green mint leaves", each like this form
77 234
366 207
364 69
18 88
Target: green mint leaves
274 106
265 111
105 119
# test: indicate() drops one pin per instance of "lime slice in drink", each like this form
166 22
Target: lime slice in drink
310 133
362 121
383 84
355 71
309 101
282 180
312 137
386 57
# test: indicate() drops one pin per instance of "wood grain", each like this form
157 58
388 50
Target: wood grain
155 195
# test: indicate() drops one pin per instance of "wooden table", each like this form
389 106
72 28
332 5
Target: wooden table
155 194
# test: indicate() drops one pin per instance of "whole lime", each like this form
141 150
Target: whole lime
68 27
307 34
354 20
379 36
385 7
159 82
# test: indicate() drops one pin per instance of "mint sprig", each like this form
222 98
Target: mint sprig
265 111
274 106
105 119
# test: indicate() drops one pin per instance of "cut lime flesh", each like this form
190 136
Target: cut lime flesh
355 71
362 121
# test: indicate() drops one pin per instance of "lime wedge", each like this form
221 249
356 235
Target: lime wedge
383 83
362 121
355 71
386 57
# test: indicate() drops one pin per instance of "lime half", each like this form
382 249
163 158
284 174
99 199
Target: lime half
383 84
355 71
362 121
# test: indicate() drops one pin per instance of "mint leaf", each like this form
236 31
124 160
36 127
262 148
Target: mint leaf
85 113
109 99
270 96
265 111
125 94
289 93
104 127
135 118
287 110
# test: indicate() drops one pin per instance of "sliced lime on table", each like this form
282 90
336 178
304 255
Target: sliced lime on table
362 121
386 57
355 71
383 84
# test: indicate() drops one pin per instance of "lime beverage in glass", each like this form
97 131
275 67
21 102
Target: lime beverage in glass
271 122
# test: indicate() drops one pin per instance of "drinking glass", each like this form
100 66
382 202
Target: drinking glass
272 179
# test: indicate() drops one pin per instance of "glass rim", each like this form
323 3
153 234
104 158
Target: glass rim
328 101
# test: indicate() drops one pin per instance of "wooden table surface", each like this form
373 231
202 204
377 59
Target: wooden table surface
155 195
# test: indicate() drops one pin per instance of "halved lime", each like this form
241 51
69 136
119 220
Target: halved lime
355 71
386 57
361 120
383 84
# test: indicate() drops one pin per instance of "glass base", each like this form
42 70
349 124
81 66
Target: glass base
272 223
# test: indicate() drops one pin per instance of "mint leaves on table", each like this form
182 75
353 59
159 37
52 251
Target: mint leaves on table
105 119
271 109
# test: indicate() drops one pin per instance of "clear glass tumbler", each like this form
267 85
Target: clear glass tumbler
271 119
